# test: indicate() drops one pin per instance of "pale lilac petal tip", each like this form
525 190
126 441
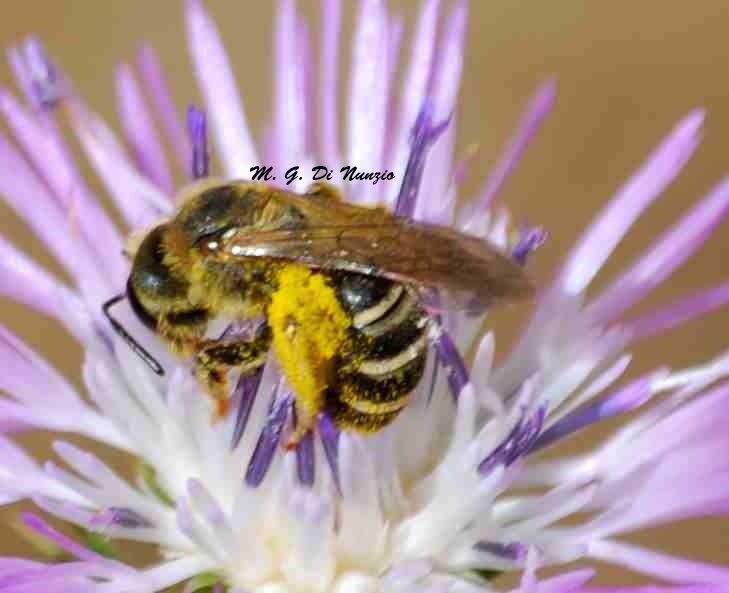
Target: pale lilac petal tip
21 75
677 313
137 199
245 394
527 128
198 131
42 141
28 195
331 11
36 523
140 131
290 99
305 55
618 216
268 441
446 77
368 100
24 281
155 82
217 84
671 250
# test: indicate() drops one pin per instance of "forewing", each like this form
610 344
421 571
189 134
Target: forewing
462 272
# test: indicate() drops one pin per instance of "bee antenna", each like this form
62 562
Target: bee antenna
136 347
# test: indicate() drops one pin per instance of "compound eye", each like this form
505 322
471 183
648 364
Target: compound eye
142 314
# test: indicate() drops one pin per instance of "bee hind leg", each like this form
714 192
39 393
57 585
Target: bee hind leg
215 358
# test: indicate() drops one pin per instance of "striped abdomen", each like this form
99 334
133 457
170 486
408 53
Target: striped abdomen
391 340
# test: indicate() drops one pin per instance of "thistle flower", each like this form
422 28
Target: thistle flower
457 488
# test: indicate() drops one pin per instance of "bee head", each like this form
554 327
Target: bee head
153 286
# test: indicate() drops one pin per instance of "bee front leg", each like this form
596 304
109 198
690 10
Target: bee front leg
215 358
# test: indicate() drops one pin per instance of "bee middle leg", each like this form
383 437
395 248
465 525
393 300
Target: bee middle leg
216 358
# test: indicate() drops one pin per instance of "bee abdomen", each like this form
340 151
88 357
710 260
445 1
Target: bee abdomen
377 382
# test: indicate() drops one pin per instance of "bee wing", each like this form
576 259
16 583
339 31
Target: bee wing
452 270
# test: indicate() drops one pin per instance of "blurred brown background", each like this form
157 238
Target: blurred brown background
627 72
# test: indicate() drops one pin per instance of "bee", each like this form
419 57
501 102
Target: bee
344 294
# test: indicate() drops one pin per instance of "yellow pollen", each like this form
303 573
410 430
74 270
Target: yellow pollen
309 329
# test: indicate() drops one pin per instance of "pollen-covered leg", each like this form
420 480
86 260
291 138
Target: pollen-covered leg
215 358
183 329
310 331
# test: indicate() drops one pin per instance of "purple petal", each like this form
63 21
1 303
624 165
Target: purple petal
446 76
679 312
435 204
658 564
540 105
671 250
72 547
79 577
329 435
305 466
198 132
217 84
450 358
42 141
155 83
245 394
140 201
305 56
24 281
624 400
16 565
519 442
572 582
367 113
332 23
119 517
140 131
43 76
268 441
531 239
414 89
21 75
616 218
395 30
514 551
29 197
29 377
424 136
289 132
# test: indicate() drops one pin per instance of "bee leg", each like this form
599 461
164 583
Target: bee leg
215 358
183 330
310 332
